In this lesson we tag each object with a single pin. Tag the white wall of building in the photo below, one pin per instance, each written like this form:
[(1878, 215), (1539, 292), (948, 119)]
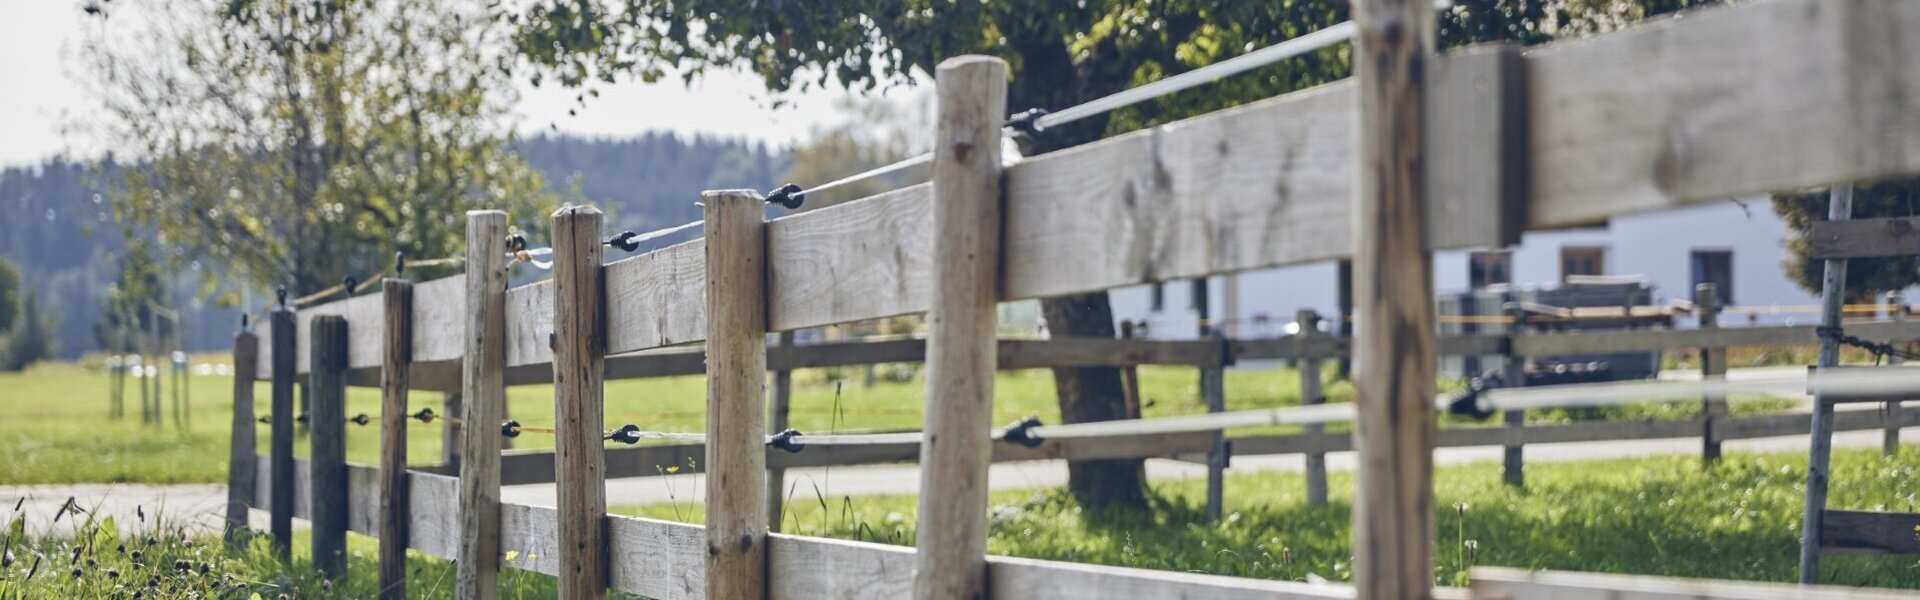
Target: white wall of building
[(1657, 246)]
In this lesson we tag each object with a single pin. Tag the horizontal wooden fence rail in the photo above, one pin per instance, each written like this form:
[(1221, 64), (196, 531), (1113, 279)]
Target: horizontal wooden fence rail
[(666, 560), (443, 375)]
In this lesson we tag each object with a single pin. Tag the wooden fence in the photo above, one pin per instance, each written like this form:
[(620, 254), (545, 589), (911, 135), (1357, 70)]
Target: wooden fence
[(1766, 95)]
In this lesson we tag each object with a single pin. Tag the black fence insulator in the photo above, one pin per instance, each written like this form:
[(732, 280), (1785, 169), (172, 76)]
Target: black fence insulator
[(243, 320), (424, 416), (280, 294), (1466, 402), (510, 429), (347, 285), (265, 420), (360, 419), (628, 434), (516, 242), (790, 195), (301, 418), (1028, 121), (784, 441), (399, 264), (1021, 432), (624, 241)]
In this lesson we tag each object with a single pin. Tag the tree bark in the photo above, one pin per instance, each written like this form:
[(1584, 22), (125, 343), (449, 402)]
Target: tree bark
[(1094, 394)]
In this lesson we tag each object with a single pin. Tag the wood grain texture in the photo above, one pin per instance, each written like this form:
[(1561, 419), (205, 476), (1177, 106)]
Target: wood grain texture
[(1692, 108), (736, 457), (579, 347), (779, 409), (1027, 579), (1833, 284), (1477, 171), (529, 324), (242, 447), (1493, 583), (657, 299), (327, 440), (971, 96), (860, 260), (434, 530), (1865, 238), (482, 402), (280, 446), (396, 366), (658, 559), (1866, 532), (807, 567), (1394, 351)]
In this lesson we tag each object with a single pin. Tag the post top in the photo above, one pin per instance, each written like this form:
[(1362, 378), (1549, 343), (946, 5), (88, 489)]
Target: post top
[(486, 213), (970, 60), (573, 210), (735, 195)]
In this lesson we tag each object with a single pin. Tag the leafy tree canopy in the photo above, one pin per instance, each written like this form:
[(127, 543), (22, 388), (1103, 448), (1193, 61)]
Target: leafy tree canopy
[(1865, 276), (301, 142)]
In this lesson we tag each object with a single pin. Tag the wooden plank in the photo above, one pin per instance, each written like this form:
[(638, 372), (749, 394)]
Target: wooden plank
[(1890, 438), (1513, 370), (1637, 340), (859, 260), (532, 534), (1713, 367), (242, 448), (1394, 350), (1864, 532), (482, 401), (656, 299), (971, 99), (1213, 391), (579, 324), (1023, 578), (281, 326), (806, 568), (529, 324), (1689, 109), (657, 559), (736, 457), (779, 409), (1477, 177), (1865, 238), (396, 366), (1497, 583), (327, 440), (1833, 289)]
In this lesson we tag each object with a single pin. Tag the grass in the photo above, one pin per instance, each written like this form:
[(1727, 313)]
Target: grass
[(1652, 516), (58, 430), (159, 560)]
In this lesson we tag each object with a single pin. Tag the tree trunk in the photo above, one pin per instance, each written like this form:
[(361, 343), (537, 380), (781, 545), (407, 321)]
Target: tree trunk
[(1094, 394)]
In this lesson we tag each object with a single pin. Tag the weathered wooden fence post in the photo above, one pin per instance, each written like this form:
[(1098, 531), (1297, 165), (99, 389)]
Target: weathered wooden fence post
[(1890, 438), (396, 365), (281, 445), (1513, 373), (961, 349), (1308, 322), (1713, 367), (777, 421), (327, 439), (482, 397), (243, 467), (1833, 292), (736, 397), (1394, 351), (579, 351), (1213, 389)]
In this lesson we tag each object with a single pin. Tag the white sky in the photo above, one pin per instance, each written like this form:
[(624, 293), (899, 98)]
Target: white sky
[(37, 96)]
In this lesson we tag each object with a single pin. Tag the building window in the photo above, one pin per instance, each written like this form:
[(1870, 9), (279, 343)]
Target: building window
[(1159, 297), (1489, 268), (1582, 261), (1715, 267)]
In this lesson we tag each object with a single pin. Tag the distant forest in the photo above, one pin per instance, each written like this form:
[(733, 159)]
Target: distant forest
[(60, 235)]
